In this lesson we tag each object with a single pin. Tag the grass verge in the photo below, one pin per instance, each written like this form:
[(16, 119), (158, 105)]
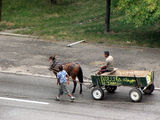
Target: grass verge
[(74, 20)]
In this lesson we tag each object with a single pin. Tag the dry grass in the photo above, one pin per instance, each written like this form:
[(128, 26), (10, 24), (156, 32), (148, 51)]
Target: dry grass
[(9, 24)]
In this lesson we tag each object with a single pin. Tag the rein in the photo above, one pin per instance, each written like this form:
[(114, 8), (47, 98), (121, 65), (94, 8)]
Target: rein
[(55, 70), (55, 63)]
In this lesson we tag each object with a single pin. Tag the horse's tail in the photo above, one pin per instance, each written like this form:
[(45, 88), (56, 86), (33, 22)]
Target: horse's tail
[(80, 75)]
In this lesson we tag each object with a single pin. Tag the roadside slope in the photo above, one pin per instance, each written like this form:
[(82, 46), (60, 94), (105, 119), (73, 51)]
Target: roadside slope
[(30, 56)]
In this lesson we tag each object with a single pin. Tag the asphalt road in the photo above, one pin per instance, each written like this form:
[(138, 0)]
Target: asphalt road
[(25, 97)]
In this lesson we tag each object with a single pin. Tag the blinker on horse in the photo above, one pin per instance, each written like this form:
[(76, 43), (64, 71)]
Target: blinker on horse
[(73, 69)]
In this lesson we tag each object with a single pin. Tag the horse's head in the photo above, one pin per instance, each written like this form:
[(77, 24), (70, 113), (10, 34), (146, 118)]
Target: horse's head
[(52, 60)]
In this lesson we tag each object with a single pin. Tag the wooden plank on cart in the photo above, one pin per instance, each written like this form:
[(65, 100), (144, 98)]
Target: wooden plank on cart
[(129, 73)]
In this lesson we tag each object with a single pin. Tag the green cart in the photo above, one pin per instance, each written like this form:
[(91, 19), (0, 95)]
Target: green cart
[(140, 81)]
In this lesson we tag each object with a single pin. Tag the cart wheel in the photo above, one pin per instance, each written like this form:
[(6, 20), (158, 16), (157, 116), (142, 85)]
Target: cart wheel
[(97, 93), (111, 89), (135, 95), (149, 89)]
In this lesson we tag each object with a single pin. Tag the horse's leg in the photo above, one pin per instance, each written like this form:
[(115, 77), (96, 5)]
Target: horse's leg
[(80, 78), (80, 88), (75, 84)]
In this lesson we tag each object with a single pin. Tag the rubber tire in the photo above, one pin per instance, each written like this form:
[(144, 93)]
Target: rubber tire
[(111, 89), (135, 92), (99, 90), (149, 89)]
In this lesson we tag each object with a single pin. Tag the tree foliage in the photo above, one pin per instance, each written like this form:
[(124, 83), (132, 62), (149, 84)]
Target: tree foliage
[(140, 12)]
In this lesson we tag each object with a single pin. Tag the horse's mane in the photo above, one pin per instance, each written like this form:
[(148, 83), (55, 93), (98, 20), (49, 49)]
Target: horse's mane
[(60, 62), (55, 63)]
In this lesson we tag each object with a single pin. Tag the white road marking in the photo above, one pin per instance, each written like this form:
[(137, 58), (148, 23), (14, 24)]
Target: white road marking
[(22, 100), (157, 88)]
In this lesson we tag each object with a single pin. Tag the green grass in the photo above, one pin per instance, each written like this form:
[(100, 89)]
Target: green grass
[(74, 20)]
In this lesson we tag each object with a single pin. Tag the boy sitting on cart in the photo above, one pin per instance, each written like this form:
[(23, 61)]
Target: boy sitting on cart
[(109, 67)]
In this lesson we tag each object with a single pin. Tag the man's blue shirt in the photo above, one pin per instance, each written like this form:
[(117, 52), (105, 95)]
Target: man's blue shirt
[(62, 76)]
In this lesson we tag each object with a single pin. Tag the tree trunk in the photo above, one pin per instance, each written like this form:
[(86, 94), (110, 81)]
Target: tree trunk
[(53, 1), (0, 10), (107, 22)]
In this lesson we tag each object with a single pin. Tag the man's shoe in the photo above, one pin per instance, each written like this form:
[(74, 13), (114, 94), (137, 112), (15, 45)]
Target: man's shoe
[(57, 98), (72, 98)]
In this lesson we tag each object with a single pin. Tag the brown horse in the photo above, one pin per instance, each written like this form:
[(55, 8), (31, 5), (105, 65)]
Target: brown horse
[(73, 69)]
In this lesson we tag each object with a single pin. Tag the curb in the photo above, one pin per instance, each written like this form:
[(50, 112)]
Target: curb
[(29, 74), (17, 35)]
